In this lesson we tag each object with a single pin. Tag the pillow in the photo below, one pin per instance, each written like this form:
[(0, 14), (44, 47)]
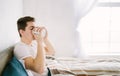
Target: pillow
[(14, 68)]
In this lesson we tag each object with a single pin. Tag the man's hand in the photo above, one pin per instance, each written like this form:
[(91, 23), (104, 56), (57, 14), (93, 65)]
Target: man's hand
[(38, 33), (45, 33)]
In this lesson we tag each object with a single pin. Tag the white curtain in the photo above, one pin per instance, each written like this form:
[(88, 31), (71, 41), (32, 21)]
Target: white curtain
[(82, 7)]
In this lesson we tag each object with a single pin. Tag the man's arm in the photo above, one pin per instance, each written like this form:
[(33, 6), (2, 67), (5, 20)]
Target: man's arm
[(49, 48), (37, 64)]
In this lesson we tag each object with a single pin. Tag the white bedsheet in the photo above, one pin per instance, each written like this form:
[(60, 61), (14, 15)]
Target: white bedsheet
[(100, 64), (92, 63)]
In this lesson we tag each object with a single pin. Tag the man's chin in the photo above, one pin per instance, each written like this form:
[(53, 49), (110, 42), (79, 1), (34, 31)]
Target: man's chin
[(33, 38)]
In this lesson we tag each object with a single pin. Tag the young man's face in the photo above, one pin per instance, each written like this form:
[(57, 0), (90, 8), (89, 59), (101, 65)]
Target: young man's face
[(28, 31)]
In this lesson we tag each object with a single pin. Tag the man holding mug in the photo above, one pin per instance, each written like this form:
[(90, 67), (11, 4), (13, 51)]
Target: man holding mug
[(33, 46)]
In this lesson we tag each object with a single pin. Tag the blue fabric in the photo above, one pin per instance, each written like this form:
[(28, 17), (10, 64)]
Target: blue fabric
[(14, 68), (49, 73)]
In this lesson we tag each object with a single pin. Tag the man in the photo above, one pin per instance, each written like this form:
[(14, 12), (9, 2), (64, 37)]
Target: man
[(30, 50)]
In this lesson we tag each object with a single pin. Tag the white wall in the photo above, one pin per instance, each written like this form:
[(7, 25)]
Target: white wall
[(58, 17), (10, 11)]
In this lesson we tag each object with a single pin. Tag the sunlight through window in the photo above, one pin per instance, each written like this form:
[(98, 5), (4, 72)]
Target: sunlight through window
[(100, 31)]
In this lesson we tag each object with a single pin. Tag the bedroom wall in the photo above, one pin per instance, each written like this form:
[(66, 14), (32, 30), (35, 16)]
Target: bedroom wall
[(10, 11), (58, 17)]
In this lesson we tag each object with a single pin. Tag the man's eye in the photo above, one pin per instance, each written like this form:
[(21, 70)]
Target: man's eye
[(32, 28)]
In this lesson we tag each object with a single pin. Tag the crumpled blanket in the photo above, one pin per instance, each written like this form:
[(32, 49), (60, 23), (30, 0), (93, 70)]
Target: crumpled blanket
[(86, 66), (58, 69)]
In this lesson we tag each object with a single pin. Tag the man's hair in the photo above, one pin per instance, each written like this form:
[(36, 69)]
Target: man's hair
[(22, 22)]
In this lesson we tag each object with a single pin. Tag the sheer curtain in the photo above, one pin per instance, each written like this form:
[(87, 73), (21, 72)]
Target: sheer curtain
[(82, 7)]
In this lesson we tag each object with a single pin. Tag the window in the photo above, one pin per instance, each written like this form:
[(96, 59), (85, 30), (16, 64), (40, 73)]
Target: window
[(100, 29)]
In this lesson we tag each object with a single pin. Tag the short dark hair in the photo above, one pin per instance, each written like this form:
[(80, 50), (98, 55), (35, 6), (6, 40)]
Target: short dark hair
[(22, 22)]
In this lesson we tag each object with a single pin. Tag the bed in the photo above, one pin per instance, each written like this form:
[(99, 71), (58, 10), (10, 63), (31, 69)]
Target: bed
[(89, 66)]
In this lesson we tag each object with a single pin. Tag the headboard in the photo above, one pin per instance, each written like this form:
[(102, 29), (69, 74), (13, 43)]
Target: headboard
[(5, 56)]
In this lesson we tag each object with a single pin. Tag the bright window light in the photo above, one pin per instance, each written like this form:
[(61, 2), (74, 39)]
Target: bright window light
[(100, 31), (109, 0)]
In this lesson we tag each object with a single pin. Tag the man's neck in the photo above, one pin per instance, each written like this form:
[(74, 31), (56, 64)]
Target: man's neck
[(26, 41)]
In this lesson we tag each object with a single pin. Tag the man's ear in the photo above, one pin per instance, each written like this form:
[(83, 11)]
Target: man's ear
[(21, 32)]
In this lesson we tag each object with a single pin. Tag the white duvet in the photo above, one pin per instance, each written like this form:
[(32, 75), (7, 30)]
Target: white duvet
[(100, 64), (108, 63)]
